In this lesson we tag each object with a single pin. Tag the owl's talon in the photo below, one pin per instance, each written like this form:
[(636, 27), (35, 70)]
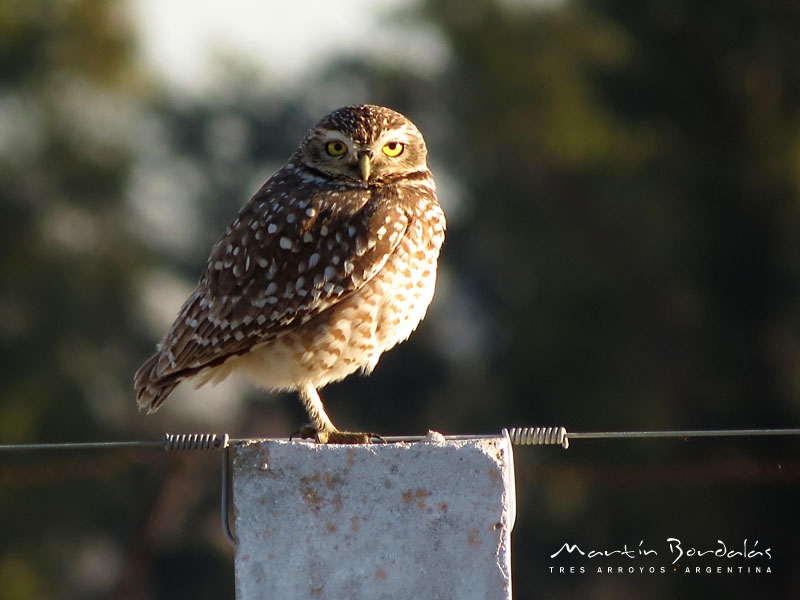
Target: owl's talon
[(307, 432)]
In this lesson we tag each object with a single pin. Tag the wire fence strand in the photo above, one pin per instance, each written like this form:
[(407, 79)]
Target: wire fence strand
[(520, 436)]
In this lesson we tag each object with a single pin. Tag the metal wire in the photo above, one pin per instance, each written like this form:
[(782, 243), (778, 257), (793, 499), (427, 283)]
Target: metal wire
[(535, 436), (170, 442), (520, 436), (225, 515), (610, 435), (79, 446)]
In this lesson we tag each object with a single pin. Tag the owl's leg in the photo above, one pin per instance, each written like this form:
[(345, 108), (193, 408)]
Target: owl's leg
[(321, 428)]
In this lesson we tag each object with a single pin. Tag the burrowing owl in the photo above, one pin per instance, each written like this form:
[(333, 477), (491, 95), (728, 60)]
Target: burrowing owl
[(331, 263)]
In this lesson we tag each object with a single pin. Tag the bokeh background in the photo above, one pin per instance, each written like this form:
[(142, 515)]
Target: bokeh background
[(622, 182)]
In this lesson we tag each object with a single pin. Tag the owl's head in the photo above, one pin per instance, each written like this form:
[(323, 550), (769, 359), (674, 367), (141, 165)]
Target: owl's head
[(364, 144)]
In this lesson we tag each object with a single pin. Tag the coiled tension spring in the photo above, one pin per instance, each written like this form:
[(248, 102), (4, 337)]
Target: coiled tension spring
[(195, 441), (538, 436)]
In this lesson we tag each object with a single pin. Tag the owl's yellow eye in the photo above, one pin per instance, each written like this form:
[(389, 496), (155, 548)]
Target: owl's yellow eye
[(336, 148), (393, 149)]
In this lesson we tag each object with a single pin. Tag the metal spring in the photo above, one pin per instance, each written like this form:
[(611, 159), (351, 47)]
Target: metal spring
[(538, 436), (195, 441)]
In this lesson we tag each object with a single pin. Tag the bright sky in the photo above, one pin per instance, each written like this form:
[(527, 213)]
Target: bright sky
[(180, 38)]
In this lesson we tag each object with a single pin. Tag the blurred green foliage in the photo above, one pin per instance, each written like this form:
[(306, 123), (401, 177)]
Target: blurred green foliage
[(623, 186)]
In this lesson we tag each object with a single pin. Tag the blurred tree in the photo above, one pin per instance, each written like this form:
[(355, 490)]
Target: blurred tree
[(69, 89), (66, 255)]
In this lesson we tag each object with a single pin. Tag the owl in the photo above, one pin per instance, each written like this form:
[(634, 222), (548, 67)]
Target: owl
[(331, 263)]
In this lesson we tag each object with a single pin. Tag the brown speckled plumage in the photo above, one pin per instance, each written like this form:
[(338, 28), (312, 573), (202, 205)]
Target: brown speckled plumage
[(331, 263)]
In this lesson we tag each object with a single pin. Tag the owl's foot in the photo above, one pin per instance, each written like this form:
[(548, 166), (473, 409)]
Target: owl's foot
[(308, 432)]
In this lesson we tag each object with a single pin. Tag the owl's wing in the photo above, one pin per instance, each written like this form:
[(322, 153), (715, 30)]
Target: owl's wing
[(278, 265)]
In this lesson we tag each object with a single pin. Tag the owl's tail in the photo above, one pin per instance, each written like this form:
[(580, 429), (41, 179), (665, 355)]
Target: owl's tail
[(152, 390)]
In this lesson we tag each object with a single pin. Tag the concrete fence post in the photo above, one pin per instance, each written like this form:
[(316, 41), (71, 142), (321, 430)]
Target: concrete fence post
[(422, 520)]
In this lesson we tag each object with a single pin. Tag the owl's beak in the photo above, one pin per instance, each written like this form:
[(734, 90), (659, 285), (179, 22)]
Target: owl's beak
[(365, 165)]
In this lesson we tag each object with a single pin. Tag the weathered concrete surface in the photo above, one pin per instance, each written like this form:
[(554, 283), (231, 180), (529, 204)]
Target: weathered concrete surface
[(425, 520)]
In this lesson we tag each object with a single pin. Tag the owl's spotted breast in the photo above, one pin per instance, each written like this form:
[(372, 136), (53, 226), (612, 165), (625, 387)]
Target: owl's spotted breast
[(331, 263), (352, 334)]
